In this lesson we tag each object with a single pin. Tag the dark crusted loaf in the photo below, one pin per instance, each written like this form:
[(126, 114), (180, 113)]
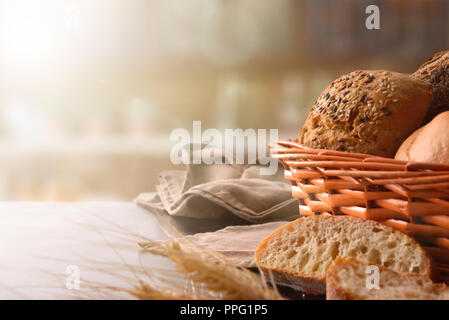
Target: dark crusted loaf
[(367, 112), (436, 71)]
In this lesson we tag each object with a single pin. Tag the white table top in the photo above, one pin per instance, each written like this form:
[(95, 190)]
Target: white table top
[(38, 241)]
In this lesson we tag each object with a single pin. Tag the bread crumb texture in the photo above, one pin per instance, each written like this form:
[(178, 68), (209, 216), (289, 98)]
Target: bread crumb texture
[(347, 279), (308, 246)]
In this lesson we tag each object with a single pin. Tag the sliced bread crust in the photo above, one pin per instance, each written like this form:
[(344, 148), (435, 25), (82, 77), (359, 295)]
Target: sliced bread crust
[(299, 253)]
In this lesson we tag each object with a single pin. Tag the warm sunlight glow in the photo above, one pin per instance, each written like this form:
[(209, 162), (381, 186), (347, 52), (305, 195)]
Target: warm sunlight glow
[(32, 32)]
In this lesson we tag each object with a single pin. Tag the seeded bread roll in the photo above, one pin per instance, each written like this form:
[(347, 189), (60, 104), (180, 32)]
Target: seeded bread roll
[(347, 279), (436, 71), (367, 112), (299, 253)]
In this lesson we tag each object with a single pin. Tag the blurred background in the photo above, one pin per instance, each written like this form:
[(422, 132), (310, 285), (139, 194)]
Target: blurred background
[(90, 90)]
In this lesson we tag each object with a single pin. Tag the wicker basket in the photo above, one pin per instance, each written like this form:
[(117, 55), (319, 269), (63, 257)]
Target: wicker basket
[(411, 197)]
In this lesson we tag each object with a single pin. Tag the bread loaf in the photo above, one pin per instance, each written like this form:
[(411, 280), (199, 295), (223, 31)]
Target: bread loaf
[(347, 279), (429, 143), (436, 71), (367, 112), (299, 253)]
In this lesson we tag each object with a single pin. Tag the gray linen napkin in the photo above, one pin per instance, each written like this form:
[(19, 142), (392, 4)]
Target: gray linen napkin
[(217, 190)]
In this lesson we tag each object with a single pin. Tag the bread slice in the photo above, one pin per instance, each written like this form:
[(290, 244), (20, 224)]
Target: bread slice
[(350, 279), (299, 252)]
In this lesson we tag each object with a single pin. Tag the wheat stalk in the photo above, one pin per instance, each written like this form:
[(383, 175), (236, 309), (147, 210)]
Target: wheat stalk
[(200, 273), (214, 271)]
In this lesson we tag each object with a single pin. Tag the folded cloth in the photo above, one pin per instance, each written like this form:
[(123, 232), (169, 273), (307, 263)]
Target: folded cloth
[(238, 243), (217, 190)]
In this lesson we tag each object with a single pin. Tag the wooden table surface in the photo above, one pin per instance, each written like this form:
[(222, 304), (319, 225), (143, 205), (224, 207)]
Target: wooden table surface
[(41, 242)]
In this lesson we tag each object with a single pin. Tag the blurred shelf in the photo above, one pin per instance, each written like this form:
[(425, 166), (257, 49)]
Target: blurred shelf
[(151, 145)]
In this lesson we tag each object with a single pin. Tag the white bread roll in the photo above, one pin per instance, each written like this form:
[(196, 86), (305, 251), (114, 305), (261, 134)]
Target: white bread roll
[(429, 143)]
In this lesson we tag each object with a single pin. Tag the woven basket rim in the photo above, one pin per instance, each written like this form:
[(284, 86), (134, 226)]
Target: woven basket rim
[(288, 145)]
